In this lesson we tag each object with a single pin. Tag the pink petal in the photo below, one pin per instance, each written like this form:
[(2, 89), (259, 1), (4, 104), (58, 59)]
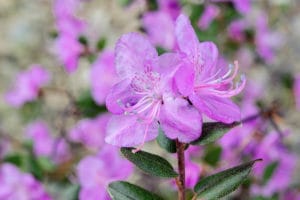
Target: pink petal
[(119, 95), (180, 120), (128, 131), (216, 108), (209, 56), (184, 79), (157, 23), (186, 38), (103, 76), (134, 54)]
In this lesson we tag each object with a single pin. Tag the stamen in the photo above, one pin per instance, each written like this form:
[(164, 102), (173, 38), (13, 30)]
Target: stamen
[(143, 142)]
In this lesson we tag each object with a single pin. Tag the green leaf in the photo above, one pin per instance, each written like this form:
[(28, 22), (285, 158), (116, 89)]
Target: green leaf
[(101, 44), (166, 143), (212, 154), (121, 190), (150, 163), (15, 159), (269, 171), (212, 131), (221, 184)]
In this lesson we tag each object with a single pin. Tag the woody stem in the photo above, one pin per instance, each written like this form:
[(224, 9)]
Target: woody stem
[(181, 168)]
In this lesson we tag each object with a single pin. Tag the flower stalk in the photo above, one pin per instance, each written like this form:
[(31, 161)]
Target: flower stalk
[(180, 181)]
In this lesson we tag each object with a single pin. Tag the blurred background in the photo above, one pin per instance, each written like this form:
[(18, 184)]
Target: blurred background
[(262, 35)]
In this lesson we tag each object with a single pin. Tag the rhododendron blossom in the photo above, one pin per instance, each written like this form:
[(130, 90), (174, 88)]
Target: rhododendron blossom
[(27, 86), (46, 145), (96, 172), (144, 96), (18, 185), (199, 78), (103, 76)]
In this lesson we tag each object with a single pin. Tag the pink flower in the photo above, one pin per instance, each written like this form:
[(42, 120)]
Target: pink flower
[(236, 30), (90, 132), (144, 96), (209, 14), (200, 79), (15, 184), (103, 76), (96, 172), (271, 149), (27, 86), (67, 47), (171, 7), (297, 91), (44, 144), (266, 41), (159, 22)]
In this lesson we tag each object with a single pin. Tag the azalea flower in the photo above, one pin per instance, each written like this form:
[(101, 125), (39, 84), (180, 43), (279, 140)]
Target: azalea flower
[(90, 132), (27, 86), (144, 97), (18, 185), (103, 76), (199, 79), (209, 14), (44, 144), (67, 47), (96, 172), (271, 150)]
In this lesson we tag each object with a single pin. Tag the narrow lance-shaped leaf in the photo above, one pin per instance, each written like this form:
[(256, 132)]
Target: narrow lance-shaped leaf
[(223, 183), (166, 143), (150, 163), (121, 190), (212, 131)]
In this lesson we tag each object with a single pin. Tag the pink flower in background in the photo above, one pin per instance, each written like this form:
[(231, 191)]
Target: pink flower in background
[(271, 149), (67, 47), (297, 91), (266, 41), (16, 185), (159, 22), (199, 78), (96, 172), (103, 76), (171, 7), (209, 14), (44, 144), (27, 86), (144, 96), (90, 132), (236, 30), (68, 50)]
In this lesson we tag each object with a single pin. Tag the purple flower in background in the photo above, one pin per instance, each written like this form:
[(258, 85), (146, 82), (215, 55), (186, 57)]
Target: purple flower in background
[(157, 23), (271, 150), (103, 76), (44, 144), (199, 78), (27, 86), (16, 185), (209, 14), (96, 172), (171, 7), (90, 132), (236, 30), (67, 47), (144, 96), (297, 91), (266, 41)]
